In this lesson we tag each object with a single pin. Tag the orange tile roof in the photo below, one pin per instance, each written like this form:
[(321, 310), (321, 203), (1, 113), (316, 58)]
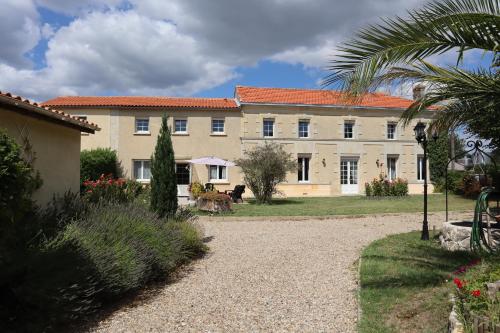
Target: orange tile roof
[(317, 97), (35, 109), (142, 101)]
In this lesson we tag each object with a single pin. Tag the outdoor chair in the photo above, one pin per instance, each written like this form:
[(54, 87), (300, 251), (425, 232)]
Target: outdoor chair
[(236, 193)]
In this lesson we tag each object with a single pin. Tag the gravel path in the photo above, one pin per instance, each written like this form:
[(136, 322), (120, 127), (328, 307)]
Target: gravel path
[(267, 276)]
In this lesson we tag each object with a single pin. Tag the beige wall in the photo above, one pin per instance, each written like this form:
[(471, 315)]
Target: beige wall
[(56, 148), (326, 145)]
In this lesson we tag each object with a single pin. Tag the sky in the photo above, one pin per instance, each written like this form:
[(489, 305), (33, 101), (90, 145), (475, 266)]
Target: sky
[(176, 47)]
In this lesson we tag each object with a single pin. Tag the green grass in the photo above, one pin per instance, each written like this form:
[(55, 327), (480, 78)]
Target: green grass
[(405, 284), (349, 205)]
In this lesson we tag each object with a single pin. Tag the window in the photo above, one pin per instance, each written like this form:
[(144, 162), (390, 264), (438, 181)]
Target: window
[(303, 171), (391, 167), (348, 130), (420, 168), (142, 125), (182, 173), (218, 126), (268, 128), (180, 126), (391, 131), (142, 170), (303, 128), (218, 172)]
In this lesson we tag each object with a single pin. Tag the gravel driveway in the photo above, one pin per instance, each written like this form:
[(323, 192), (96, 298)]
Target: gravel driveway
[(294, 275)]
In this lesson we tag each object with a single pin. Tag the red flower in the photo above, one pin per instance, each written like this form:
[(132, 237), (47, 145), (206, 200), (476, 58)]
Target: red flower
[(459, 283), (476, 293)]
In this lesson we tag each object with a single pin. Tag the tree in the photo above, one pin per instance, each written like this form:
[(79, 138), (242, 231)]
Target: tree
[(395, 51), (264, 167), (439, 153), (163, 178)]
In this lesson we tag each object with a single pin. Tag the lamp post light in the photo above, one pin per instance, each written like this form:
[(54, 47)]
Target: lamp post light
[(421, 138)]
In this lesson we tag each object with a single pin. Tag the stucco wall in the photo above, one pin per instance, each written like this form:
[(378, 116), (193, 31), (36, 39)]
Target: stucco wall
[(56, 148)]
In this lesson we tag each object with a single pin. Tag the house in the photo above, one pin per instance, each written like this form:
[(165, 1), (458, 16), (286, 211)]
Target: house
[(54, 137), (339, 144)]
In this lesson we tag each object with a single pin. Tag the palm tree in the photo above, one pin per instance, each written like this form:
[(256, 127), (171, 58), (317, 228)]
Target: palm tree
[(395, 51)]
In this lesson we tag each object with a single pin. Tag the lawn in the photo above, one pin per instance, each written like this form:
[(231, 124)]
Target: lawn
[(349, 205), (405, 285)]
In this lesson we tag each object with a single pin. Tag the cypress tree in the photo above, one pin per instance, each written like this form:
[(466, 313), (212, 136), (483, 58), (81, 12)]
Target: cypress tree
[(163, 179)]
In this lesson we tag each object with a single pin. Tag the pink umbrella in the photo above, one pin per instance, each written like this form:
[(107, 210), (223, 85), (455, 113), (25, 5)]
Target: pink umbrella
[(211, 160)]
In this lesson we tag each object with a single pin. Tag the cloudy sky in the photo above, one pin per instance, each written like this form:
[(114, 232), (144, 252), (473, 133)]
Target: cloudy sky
[(174, 47)]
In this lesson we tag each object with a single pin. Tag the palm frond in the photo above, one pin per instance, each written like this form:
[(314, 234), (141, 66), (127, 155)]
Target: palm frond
[(435, 29)]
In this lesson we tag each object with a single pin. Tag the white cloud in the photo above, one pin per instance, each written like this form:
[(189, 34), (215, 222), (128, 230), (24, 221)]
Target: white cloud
[(19, 31), (119, 52), (172, 47)]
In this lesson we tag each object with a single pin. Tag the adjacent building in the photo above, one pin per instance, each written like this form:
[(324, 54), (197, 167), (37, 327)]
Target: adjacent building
[(50, 139), (339, 143)]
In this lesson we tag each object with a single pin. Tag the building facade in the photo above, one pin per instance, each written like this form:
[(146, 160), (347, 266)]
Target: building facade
[(339, 144), (53, 138)]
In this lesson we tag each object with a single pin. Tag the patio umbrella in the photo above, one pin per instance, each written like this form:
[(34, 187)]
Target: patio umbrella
[(212, 160)]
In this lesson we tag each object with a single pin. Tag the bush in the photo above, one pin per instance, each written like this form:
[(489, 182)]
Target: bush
[(264, 167), (381, 187), (18, 180), (130, 246), (97, 162), (454, 182), (111, 190), (214, 202), (101, 254), (196, 189)]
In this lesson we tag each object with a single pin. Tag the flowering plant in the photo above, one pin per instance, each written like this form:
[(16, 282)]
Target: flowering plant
[(112, 190), (382, 187)]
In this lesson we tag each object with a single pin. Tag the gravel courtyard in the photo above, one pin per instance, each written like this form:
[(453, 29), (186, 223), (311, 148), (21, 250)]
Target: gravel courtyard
[(293, 275)]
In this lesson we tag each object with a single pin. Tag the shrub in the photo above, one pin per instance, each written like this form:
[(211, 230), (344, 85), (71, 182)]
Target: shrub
[(111, 190), (214, 202), (164, 181), (130, 245), (264, 167), (18, 180), (196, 189), (97, 162), (368, 190), (380, 187)]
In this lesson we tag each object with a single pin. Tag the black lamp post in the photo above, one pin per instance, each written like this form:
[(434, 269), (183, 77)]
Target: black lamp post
[(422, 139)]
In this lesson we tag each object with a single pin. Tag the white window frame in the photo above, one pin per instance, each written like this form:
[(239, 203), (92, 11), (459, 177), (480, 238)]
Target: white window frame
[(306, 121), (141, 179), (395, 131), (420, 168), (175, 127), (219, 168), (353, 124), (137, 119), (301, 170), (223, 126), (389, 172), (264, 125)]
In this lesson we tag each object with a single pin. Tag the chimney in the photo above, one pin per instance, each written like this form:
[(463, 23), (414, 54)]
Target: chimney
[(418, 90)]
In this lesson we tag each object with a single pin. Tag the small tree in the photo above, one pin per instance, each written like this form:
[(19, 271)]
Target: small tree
[(163, 179), (264, 168)]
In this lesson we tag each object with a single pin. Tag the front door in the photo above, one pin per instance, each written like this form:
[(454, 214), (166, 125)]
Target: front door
[(183, 173), (349, 175)]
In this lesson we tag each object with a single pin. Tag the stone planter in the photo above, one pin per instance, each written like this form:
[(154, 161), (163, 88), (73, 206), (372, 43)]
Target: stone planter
[(213, 206), (455, 235)]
